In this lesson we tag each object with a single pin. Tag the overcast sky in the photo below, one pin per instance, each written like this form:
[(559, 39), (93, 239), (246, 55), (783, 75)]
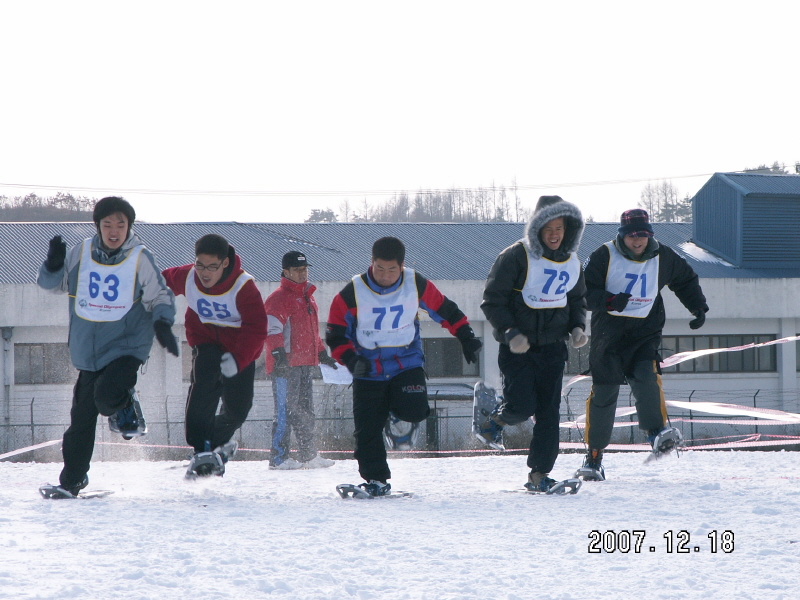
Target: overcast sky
[(309, 103)]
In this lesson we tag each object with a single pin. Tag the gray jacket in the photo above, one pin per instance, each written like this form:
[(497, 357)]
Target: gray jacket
[(94, 344)]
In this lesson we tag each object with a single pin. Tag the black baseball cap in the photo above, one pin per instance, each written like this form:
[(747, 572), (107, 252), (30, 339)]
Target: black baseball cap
[(294, 259)]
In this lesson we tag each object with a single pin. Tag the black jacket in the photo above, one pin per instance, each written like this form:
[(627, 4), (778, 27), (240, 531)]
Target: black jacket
[(618, 342), (503, 303)]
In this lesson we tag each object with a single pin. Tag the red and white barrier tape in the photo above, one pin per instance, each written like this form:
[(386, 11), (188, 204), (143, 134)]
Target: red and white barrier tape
[(684, 356)]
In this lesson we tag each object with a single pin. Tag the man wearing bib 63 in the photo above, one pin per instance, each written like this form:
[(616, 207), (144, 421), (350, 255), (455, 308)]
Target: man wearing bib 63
[(118, 301), (535, 299), (226, 326), (373, 330), (624, 278)]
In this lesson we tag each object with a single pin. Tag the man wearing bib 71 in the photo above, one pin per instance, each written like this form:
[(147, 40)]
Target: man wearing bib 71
[(226, 326), (535, 299), (624, 278), (118, 301), (373, 330)]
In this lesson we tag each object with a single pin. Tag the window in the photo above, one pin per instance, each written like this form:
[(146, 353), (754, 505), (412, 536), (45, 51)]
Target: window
[(43, 363), (444, 358), (797, 353), (746, 361)]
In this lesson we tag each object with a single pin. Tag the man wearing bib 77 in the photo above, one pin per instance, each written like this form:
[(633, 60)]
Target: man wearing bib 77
[(118, 301), (535, 300), (226, 326), (624, 278), (373, 330)]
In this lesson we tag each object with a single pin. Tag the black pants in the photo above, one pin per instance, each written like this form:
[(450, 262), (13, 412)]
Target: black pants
[(405, 395), (532, 387), (96, 392), (601, 406), (294, 411), (208, 387)]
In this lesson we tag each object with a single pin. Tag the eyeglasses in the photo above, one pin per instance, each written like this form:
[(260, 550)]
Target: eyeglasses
[(202, 267)]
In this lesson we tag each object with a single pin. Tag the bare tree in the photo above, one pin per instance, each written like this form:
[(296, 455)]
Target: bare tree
[(662, 202), (345, 211)]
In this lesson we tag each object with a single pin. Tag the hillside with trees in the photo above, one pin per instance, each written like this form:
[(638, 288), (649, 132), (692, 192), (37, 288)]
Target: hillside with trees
[(61, 207)]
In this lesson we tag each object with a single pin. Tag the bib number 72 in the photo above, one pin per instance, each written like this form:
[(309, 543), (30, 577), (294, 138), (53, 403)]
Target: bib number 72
[(563, 277)]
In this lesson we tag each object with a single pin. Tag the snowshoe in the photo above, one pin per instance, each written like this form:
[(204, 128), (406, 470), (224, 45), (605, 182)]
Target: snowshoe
[(663, 442), (227, 450), (205, 464), (592, 468), (366, 491), (484, 405), (400, 435), (551, 486), (129, 421)]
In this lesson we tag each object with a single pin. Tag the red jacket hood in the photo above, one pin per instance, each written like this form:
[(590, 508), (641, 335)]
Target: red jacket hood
[(226, 283)]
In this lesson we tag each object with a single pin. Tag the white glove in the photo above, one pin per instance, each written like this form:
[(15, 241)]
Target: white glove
[(228, 365), (519, 344), (579, 338)]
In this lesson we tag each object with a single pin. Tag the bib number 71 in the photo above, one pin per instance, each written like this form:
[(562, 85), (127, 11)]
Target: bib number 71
[(633, 278)]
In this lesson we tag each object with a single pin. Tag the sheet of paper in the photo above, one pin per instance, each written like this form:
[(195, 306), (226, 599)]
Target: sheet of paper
[(338, 375)]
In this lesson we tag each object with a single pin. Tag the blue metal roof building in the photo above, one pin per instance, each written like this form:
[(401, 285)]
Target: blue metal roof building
[(752, 221), (337, 251)]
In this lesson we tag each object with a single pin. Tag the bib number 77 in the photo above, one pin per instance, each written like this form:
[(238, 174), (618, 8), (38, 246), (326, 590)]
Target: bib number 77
[(381, 312), (633, 278)]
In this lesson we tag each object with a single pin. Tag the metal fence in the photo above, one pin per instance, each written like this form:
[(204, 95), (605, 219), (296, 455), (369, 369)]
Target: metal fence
[(448, 430)]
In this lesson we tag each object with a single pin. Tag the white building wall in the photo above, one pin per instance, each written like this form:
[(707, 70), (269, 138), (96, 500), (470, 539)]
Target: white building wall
[(737, 307)]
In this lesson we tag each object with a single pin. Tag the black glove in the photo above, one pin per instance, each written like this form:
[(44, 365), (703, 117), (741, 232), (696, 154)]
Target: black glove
[(165, 336), (617, 303), (358, 365), (324, 359), (700, 318), (56, 254), (470, 345), (280, 364)]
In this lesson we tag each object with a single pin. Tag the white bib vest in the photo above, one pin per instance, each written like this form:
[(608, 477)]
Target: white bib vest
[(548, 282), (640, 279), (215, 309), (105, 292), (387, 320)]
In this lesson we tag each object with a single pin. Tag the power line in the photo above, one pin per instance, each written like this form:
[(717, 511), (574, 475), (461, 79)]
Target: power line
[(341, 193)]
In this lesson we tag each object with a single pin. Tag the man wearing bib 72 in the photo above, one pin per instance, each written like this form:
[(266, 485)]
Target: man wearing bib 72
[(624, 278), (373, 330), (535, 299), (226, 326), (118, 301)]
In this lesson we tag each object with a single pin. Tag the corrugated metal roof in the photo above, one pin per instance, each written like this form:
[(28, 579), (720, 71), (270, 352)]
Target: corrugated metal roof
[(764, 185), (337, 251)]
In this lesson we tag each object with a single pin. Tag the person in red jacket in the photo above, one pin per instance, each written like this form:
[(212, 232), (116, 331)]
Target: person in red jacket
[(294, 349), (226, 327)]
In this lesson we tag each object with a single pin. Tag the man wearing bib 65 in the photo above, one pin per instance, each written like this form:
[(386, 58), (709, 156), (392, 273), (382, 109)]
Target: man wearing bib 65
[(624, 278), (117, 302), (226, 326), (535, 300), (373, 330)]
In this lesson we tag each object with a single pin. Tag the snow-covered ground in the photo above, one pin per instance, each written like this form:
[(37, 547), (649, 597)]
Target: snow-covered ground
[(258, 533)]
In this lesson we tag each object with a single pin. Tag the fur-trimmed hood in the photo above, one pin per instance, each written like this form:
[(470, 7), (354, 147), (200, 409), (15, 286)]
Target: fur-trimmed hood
[(547, 209)]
